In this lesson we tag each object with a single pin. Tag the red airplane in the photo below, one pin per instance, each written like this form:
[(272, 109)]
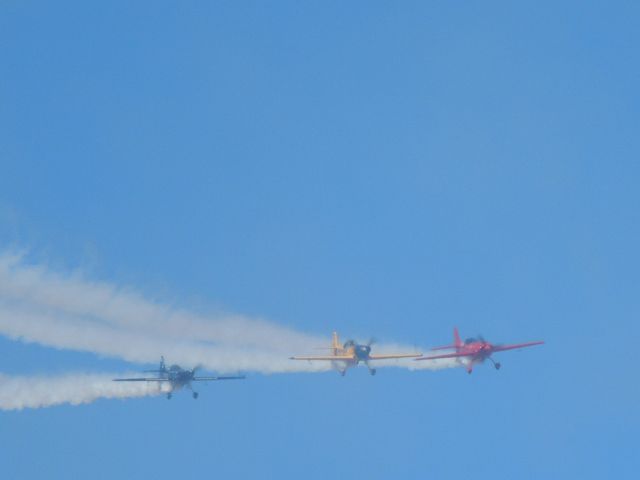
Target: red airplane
[(477, 350)]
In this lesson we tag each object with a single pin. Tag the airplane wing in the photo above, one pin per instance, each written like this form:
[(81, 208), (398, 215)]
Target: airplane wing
[(397, 355), (502, 348), (323, 357), (446, 355), (208, 379), (155, 379)]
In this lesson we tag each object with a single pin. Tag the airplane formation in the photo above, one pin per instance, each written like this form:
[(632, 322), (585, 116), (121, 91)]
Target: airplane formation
[(468, 353)]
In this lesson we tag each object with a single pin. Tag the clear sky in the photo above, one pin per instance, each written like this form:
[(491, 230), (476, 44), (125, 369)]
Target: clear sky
[(387, 169)]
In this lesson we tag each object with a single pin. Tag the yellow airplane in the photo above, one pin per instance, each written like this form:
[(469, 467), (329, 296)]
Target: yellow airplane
[(351, 354)]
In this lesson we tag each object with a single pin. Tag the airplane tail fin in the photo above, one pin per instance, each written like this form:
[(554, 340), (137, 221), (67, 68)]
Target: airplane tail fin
[(161, 369), (457, 343), (456, 338), (335, 343)]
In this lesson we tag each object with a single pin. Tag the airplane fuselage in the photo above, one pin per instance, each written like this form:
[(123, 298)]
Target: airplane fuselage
[(178, 377), (361, 352), (358, 353), (477, 351)]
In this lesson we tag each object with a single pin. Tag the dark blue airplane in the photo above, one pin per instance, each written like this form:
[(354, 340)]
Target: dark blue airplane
[(177, 378)]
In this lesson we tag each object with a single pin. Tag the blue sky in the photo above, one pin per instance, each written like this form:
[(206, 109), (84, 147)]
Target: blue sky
[(381, 169)]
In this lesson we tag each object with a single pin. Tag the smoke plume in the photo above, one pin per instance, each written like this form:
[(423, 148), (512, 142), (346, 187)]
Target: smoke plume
[(18, 392)]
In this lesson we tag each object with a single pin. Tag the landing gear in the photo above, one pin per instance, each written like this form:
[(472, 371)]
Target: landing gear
[(495, 364), (195, 395), (372, 371), (169, 395)]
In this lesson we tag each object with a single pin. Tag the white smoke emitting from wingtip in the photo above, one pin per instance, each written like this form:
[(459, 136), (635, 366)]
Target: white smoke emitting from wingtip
[(19, 392)]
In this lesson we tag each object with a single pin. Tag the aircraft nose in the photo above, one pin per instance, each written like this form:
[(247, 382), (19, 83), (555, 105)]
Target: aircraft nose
[(364, 350)]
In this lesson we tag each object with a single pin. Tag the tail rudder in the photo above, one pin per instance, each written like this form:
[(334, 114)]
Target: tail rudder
[(162, 366), (335, 343), (456, 338), (457, 343)]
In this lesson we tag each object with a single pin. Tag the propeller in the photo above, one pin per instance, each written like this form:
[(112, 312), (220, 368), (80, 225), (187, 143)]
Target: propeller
[(351, 343)]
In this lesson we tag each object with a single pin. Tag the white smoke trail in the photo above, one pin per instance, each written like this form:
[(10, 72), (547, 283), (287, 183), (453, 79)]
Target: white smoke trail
[(71, 312), (101, 302), (410, 363), (60, 331), (19, 392)]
